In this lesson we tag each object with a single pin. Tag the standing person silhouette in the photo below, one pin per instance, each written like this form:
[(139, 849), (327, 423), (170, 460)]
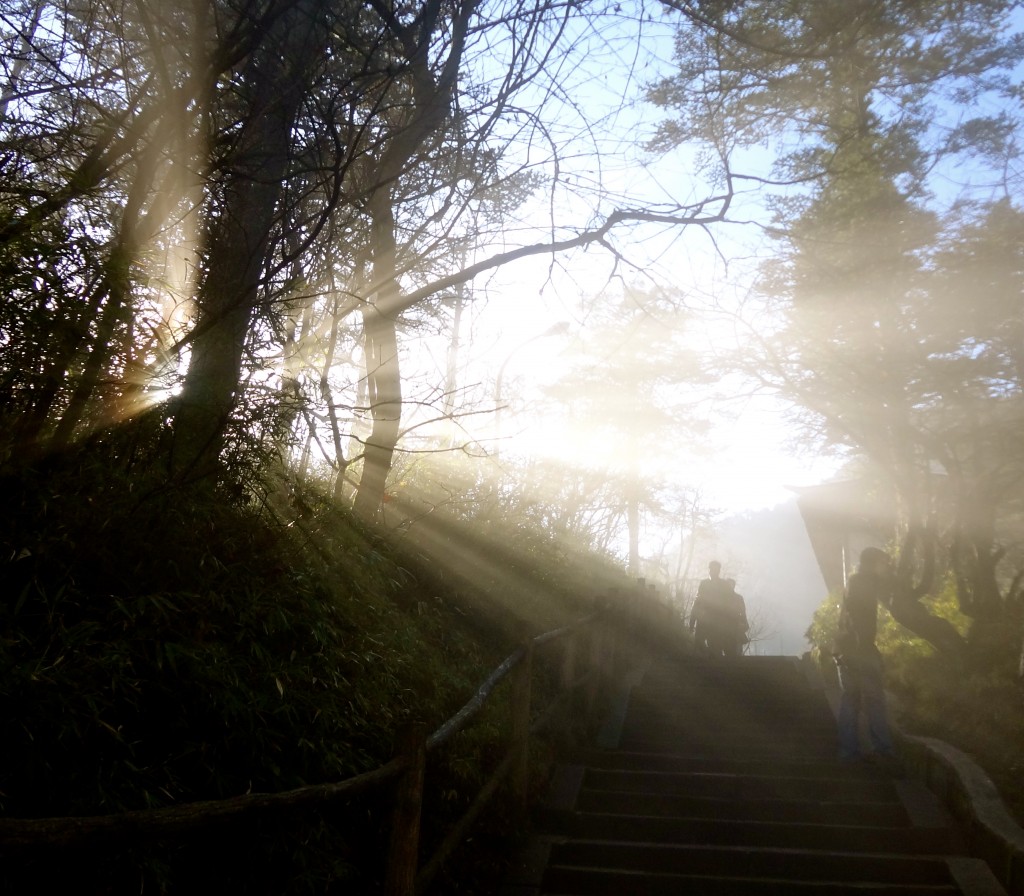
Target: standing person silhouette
[(707, 619), (734, 621), (859, 661)]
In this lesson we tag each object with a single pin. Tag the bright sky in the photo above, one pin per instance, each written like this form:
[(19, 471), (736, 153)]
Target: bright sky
[(752, 460), (752, 453), (753, 456), (602, 168)]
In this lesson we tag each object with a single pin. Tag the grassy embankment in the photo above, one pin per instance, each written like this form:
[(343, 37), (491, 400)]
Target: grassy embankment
[(157, 652)]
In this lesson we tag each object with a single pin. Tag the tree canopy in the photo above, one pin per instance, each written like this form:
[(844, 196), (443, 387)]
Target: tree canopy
[(888, 335), (268, 271)]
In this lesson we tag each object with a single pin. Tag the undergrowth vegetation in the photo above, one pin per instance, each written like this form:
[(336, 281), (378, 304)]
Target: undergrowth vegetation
[(159, 649)]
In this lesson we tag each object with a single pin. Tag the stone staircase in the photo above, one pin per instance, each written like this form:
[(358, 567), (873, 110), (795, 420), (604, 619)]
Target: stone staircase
[(721, 778)]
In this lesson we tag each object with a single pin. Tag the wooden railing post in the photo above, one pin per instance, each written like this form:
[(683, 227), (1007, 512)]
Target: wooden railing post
[(641, 615), (597, 658), (403, 854), (569, 659), (521, 699), (613, 644)]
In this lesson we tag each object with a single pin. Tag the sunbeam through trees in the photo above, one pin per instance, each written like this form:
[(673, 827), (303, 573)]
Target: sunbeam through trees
[(341, 342)]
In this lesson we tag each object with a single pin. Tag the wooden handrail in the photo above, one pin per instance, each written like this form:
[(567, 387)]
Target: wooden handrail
[(65, 830), (456, 835), (564, 630), (458, 721), (404, 878), (476, 702)]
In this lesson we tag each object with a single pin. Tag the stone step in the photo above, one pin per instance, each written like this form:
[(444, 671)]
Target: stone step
[(807, 706), (721, 778), (683, 722), (821, 745), (736, 726), (809, 811), (688, 762), (777, 693), (570, 881), (749, 862), (774, 833), (745, 787)]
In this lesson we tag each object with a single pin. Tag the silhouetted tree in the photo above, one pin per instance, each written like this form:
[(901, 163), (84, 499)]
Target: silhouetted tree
[(851, 97)]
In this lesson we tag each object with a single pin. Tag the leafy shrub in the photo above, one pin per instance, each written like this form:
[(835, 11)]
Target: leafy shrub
[(160, 649), (976, 706)]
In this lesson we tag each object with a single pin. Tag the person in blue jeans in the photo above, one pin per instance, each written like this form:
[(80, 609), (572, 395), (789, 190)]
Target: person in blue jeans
[(860, 663)]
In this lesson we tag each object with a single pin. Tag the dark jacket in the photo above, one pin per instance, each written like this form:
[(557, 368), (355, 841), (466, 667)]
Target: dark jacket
[(858, 617)]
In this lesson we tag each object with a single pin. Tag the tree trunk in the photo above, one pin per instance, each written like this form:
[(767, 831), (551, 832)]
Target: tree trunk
[(430, 105), (340, 463), (906, 607), (239, 242), (975, 554), (452, 366), (383, 375), (938, 632), (633, 525)]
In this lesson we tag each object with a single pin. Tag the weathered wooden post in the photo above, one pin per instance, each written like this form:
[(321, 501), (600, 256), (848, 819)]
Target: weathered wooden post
[(631, 612), (643, 608), (521, 696), (597, 658), (403, 853), (569, 658), (611, 632)]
